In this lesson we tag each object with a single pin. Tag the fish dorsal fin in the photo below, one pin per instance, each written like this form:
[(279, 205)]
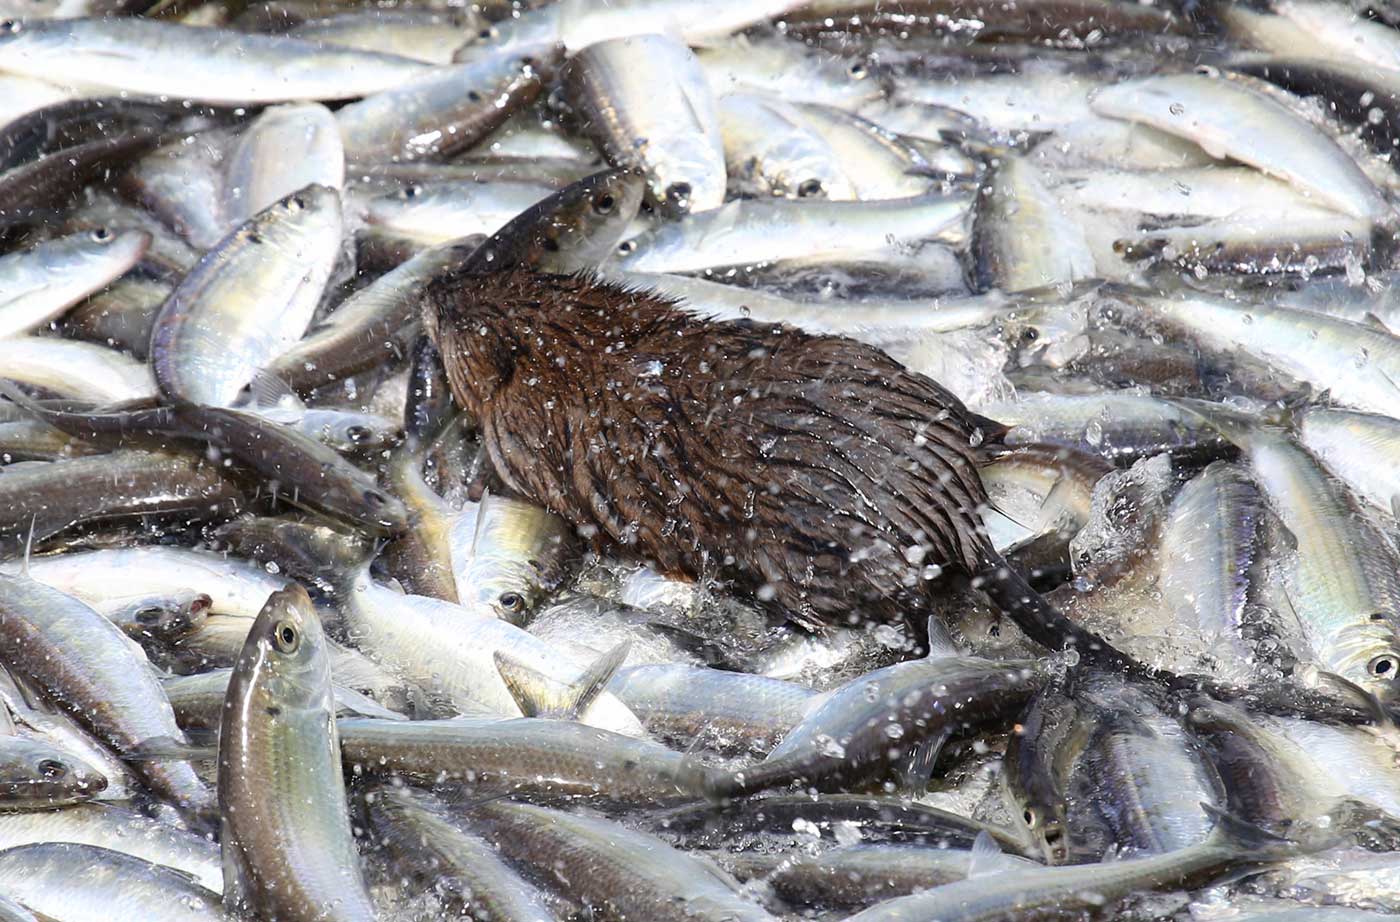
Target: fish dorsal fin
[(29, 546), (539, 695), (986, 858), (1376, 323)]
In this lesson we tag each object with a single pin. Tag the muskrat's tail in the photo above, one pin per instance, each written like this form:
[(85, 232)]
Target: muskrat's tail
[(1047, 626)]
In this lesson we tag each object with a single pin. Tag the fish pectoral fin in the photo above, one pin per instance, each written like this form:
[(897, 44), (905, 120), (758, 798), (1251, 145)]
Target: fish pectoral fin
[(940, 642), (987, 856), (922, 759), (1367, 699), (238, 896), (539, 695), (168, 749), (267, 391)]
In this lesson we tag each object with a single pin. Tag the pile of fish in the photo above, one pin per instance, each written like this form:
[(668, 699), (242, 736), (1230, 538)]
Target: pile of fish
[(276, 646)]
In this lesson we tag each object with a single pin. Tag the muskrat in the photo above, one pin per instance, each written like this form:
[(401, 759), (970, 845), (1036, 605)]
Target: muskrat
[(815, 473)]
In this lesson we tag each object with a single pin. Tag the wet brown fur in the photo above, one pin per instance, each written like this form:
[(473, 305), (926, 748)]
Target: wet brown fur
[(814, 472)]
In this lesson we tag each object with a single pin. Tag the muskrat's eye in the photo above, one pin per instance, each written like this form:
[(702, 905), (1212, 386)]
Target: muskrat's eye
[(1384, 666), (287, 637), (605, 203)]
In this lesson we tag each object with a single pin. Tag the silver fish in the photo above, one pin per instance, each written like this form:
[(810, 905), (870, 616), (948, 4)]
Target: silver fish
[(121, 829), (510, 558), (529, 756), (446, 111), (85, 883), (427, 845), (1228, 119), (284, 149), (745, 233), (730, 711), (91, 669), (645, 102), (770, 152), (1233, 845), (40, 283), (1350, 445), (287, 844), (625, 873), (84, 371), (249, 299), (1023, 238), (209, 65)]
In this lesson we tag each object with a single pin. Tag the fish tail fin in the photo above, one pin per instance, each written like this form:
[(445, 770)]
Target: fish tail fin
[(1248, 838), (539, 695)]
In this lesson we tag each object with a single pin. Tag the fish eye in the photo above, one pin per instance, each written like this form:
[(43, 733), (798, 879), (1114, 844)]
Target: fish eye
[(858, 70), (1030, 335), (11, 26), (411, 192), (358, 434), (286, 636), (1384, 666), (512, 602), (149, 615), (486, 33), (605, 203), (100, 234), (626, 246), (678, 191), (473, 96), (296, 203), (52, 768), (375, 498), (1032, 817), (809, 188)]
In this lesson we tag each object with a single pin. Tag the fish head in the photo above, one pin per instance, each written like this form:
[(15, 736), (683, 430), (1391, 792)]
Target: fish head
[(350, 432), (36, 775), (582, 223), (286, 661), (810, 175), (686, 177), (1367, 653), (1046, 334), (170, 615)]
